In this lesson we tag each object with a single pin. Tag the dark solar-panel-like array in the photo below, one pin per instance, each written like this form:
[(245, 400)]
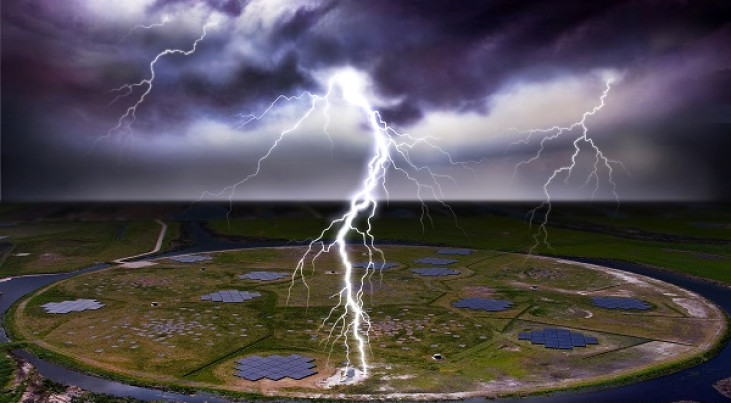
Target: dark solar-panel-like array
[(264, 275), (485, 304), (562, 339), (450, 251), (620, 303), (275, 367), (191, 258), (230, 296), (435, 260), (376, 265), (435, 271), (77, 305)]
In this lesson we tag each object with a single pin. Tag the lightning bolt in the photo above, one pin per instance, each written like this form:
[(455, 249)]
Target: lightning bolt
[(164, 20), (600, 160), (391, 152), (128, 118)]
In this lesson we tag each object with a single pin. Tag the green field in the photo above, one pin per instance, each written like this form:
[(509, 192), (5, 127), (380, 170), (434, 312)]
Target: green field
[(60, 246), (188, 342), (693, 256)]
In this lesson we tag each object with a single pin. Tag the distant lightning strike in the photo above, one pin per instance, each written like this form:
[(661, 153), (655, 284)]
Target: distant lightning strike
[(128, 118), (391, 150), (601, 160), (164, 20)]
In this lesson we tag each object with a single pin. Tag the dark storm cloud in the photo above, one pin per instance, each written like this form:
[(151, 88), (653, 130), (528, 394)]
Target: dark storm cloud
[(248, 85), (433, 54), (59, 63), (440, 54)]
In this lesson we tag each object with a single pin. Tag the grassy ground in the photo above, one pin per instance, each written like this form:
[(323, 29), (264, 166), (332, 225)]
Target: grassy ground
[(682, 220), (9, 393), (699, 258), (194, 343), (53, 247)]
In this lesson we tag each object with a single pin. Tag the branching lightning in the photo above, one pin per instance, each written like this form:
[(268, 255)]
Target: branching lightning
[(391, 152), (127, 119), (164, 20), (553, 133)]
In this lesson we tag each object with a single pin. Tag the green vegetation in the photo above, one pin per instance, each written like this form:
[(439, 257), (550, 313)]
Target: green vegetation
[(51, 247), (707, 260), (185, 344), (191, 344), (705, 222), (9, 393)]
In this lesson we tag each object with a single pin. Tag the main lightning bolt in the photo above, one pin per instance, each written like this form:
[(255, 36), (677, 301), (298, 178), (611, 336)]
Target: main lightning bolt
[(600, 160), (391, 152)]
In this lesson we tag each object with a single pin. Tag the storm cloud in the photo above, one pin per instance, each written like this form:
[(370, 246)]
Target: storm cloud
[(475, 74)]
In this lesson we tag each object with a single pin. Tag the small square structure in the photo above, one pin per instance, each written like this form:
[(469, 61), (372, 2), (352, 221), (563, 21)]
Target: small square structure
[(230, 296), (190, 258), (484, 304), (561, 339), (435, 261), (620, 303), (274, 367), (264, 276), (454, 251), (435, 271), (72, 306)]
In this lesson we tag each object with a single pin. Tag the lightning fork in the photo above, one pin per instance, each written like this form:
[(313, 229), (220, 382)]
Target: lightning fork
[(390, 150), (127, 119), (552, 133), (164, 20)]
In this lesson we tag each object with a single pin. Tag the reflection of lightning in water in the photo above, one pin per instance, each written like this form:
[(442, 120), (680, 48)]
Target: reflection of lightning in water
[(600, 160)]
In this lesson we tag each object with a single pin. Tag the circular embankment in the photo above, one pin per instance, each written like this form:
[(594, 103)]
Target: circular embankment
[(499, 324)]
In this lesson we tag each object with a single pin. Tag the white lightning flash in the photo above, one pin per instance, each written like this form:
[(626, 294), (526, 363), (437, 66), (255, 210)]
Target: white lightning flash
[(391, 150), (552, 133), (164, 20), (127, 119)]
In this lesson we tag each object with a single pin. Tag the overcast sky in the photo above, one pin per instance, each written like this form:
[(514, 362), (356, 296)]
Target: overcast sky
[(474, 76)]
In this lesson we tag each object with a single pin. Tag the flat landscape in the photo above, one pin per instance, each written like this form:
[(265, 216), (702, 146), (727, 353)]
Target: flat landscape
[(155, 326), (220, 293)]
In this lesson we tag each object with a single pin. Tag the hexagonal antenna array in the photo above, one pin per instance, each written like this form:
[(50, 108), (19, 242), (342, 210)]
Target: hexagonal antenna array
[(451, 251), (230, 296), (72, 306), (275, 367), (376, 265), (190, 258), (562, 339), (264, 276), (484, 304), (435, 260), (620, 303), (435, 271)]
